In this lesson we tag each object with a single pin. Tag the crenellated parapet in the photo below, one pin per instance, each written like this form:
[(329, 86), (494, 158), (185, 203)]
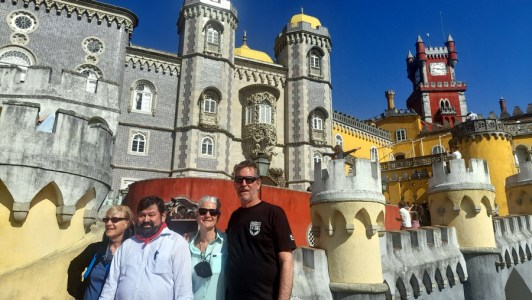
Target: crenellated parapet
[(303, 33), (74, 158), (222, 11), (74, 92), (418, 263), (454, 175), (514, 240)]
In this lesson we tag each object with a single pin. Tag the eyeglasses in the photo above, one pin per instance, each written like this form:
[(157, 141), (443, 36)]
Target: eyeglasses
[(248, 179), (113, 219), (212, 211)]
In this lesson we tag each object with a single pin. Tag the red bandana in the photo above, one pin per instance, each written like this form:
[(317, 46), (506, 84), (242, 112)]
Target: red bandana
[(151, 238)]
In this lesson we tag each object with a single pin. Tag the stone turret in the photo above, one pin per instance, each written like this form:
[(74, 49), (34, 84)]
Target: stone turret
[(464, 198), (347, 211)]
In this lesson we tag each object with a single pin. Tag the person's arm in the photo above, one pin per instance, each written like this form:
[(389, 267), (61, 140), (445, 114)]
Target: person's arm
[(182, 271), (76, 268), (111, 283), (286, 260), (351, 151)]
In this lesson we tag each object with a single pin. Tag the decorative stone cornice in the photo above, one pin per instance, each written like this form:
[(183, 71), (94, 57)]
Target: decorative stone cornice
[(91, 9), (479, 128), (199, 9), (256, 76), (153, 60), (344, 120), (302, 37), (519, 129)]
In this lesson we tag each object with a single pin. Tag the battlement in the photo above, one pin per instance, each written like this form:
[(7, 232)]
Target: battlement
[(71, 93), (477, 127), (423, 260), (75, 157), (513, 236), (524, 177), (454, 175), (333, 185)]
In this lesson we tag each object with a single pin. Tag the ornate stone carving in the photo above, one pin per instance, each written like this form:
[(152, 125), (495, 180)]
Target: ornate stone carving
[(277, 176), (19, 39), (181, 209), (260, 138)]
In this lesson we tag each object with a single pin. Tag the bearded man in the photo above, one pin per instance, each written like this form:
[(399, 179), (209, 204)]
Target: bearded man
[(154, 264)]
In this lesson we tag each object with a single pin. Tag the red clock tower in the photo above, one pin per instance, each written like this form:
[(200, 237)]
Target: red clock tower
[(437, 97)]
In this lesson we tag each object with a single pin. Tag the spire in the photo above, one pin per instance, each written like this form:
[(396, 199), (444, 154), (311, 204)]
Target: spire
[(245, 39), (419, 40), (302, 12), (450, 38), (409, 55)]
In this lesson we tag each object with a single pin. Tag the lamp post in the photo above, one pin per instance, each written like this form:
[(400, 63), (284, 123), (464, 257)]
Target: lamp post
[(263, 163)]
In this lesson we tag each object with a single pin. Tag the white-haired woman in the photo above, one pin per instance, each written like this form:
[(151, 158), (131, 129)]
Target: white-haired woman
[(208, 250)]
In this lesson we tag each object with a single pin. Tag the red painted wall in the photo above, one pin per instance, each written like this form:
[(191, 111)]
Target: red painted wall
[(296, 204)]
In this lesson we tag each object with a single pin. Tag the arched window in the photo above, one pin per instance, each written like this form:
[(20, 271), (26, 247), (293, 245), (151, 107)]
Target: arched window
[(207, 146), (438, 149), (400, 135), (93, 73), (15, 57), (143, 96), (315, 62), (209, 104), (213, 36), (317, 123), (339, 140), (259, 113), (374, 154), (138, 144), (399, 156)]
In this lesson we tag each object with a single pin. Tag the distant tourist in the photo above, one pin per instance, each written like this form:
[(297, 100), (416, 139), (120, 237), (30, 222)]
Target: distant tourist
[(415, 219), (154, 264), (96, 258), (260, 263), (455, 154), (404, 213), (471, 116), (339, 153), (209, 252)]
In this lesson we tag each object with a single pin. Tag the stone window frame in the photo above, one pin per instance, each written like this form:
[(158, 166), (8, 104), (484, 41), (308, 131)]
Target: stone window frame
[(318, 133), (317, 122), (260, 112), (133, 100), (205, 142), (374, 153), (93, 74), (209, 119), (315, 62), (19, 50), (400, 135), (134, 132), (16, 15), (85, 45), (213, 47)]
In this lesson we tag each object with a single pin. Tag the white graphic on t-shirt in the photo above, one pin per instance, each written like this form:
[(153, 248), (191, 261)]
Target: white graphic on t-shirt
[(254, 227), (291, 237)]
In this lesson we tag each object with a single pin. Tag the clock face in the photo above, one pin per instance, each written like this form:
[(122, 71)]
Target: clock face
[(438, 69)]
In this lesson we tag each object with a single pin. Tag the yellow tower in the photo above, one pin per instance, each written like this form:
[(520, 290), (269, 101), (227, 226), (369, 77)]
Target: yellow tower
[(346, 212), (488, 140), (464, 198), (519, 190)]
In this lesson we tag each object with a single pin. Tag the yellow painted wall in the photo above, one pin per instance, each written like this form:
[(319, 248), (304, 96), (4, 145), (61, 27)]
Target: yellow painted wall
[(473, 230), (352, 258), (353, 139), (40, 234), (498, 152), (45, 278)]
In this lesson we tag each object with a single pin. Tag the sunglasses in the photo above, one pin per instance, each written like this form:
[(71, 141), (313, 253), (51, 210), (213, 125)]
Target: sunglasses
[(248, 179), (212, 211), (113, 219)]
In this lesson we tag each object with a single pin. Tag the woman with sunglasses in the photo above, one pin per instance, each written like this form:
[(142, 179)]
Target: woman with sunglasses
[(96, 258), (208, 250)]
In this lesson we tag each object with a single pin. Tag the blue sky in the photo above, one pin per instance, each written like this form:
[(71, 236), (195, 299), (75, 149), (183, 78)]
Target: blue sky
[(371, 39)]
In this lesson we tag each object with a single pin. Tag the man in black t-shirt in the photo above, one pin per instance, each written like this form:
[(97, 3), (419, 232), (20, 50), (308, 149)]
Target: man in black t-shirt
[(260, 262)]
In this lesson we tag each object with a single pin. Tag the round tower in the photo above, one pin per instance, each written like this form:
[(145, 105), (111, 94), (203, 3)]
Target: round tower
[(464, 198), (487, 139), (347, 211), (304, 49), (519, 189)]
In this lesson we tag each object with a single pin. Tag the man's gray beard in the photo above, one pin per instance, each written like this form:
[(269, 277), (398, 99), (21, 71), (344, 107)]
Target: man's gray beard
[(147, 232)]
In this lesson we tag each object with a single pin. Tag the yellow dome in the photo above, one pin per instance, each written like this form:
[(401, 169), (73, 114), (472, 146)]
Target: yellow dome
[(314, 22), (245, 51)]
